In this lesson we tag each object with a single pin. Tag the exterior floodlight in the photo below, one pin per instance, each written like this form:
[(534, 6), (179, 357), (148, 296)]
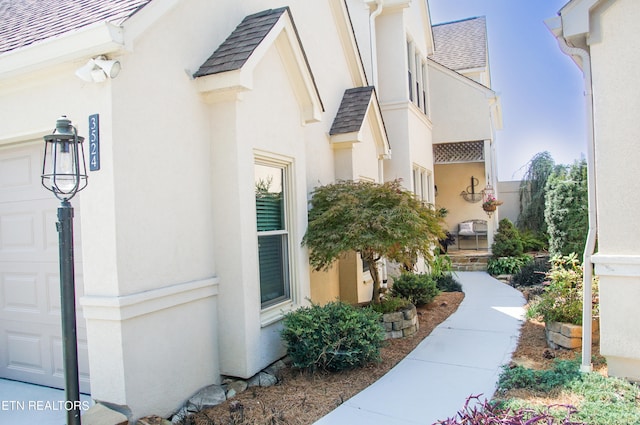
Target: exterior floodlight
[(64, 171), (110, 67), (64, 174), (99, 69), (84, 72)]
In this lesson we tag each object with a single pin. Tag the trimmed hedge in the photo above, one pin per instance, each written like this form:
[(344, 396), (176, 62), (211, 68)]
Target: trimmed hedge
[(333, 337), (419, 289)]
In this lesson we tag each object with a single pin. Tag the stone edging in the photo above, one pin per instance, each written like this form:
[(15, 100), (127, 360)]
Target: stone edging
[(566, 335), (401, 323)]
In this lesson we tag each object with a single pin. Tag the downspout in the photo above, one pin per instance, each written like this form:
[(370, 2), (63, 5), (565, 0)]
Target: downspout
[(372, 41), (587, 311)]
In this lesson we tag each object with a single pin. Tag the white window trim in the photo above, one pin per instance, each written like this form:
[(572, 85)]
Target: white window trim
[(417, 67), (419, 177), (273, 313)]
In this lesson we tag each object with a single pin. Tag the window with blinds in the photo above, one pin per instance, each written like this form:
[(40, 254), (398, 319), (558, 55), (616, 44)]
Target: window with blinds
[(272, 233)]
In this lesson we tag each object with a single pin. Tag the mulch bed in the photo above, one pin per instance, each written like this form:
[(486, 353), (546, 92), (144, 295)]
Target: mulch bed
[(303, 398)]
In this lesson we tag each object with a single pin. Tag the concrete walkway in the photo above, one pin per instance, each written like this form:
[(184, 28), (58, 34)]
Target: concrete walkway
[(462, 356)]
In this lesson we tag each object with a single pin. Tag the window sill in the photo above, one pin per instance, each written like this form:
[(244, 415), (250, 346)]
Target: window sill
[(275, 313)]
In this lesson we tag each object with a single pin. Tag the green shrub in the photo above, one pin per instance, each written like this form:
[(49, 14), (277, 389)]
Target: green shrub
[(562, 299), (532, 273), (566, 211), (419, 289), (507, 265), (602, 400), (447, 283), (390, 305), (334, 337), (534, 241), (562, 373), (607, 401), (506, 242)]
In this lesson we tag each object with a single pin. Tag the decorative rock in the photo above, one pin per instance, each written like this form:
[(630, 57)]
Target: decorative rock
[(262, 379), (180, 415), (207, 397), (99, 414), (236, 387), (276, 368), (153, 420)]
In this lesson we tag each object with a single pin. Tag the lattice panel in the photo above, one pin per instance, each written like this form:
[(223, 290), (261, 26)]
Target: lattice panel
[(458, 152)]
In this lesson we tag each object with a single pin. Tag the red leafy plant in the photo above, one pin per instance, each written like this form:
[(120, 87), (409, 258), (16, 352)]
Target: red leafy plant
[(476, 412)]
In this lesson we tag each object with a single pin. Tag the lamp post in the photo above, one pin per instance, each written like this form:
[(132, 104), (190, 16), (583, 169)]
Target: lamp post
[(64, 173)]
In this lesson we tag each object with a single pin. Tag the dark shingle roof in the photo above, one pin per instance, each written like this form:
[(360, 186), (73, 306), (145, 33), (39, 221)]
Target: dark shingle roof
[(236, 49), (461, 44), (352, 110), (24, 22)]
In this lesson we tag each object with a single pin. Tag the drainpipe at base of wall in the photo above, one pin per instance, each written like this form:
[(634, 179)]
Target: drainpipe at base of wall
[(555, 25)]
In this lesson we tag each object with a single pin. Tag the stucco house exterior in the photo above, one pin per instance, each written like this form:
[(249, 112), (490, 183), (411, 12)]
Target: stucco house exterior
[(222, 119), (596, 35), (466, 119)]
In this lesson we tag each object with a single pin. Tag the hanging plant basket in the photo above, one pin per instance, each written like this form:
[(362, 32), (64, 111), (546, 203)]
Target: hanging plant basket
[(490, 207)]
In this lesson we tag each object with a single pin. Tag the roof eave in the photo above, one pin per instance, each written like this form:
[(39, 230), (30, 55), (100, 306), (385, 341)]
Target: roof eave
[(489, 93), (347, 36), (101, 38)]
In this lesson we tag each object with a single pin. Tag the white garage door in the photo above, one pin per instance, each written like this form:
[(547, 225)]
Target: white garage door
[(30, 326)]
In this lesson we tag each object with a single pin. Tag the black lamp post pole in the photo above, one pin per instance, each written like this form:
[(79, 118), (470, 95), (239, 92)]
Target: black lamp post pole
[(64, 173), (68, 307)]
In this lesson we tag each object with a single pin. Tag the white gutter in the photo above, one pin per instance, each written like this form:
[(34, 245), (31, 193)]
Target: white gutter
[(587, 311), (100, 38), (372, 41)]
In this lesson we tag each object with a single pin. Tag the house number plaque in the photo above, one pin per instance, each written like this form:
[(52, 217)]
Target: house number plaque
[(94, 142)]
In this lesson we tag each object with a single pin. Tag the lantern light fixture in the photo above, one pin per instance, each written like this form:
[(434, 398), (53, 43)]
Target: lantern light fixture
[(64, 171)]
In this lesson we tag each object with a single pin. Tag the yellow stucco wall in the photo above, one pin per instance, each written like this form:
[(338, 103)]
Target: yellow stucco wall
[(451, 180), (325, 285)]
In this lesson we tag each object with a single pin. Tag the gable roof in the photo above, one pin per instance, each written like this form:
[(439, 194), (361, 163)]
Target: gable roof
[(233, 53), (461, 44), (25, 22), (230, 68), (356, 104), (352, 110)]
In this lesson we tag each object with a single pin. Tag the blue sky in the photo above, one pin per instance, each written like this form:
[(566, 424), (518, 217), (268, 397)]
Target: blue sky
[(540, 88)]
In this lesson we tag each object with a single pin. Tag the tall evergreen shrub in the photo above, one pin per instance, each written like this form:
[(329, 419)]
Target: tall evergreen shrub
[(506, 242), (566, 211)]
